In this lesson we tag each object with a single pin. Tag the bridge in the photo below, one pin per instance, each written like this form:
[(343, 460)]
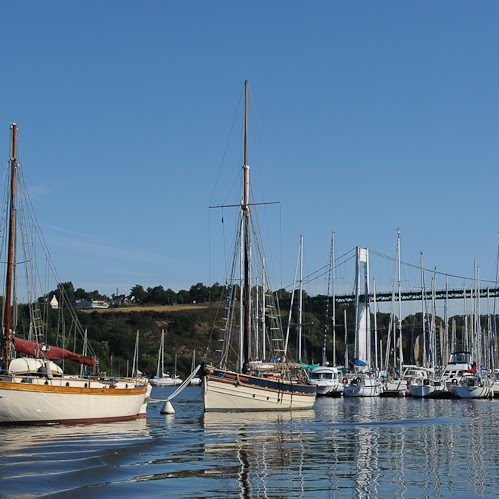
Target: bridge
[(450, 294)]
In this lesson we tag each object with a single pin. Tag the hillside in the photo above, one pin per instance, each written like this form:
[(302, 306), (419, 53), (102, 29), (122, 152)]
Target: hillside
[(188, 328), (147, 308), (112, 333)]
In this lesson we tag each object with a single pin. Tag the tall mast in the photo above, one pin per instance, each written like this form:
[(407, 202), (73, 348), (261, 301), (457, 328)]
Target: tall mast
[(401, 360), (375, 316), (245, 216), (300, 308), (10, 250), (330, 280)]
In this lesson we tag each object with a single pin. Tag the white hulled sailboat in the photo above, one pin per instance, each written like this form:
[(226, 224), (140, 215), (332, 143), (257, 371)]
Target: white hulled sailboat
[(33, 388), (364, 383), (260, 377)]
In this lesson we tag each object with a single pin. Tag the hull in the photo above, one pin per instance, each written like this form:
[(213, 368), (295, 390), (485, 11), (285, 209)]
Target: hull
[(421, 391), (395, 388), (327, 381), (70, 400), (228, 391), (473, 392), (162, 382), (329, 390), (365, 388), (195, 381)]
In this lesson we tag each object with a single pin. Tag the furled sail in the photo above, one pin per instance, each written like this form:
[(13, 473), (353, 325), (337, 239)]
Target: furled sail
[(37, 350)]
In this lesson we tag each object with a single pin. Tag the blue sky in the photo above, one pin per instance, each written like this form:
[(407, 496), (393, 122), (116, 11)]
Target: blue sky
[(365, 116)]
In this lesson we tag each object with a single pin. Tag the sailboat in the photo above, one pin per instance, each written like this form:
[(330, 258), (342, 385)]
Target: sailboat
[(34, 389), (161, 378), (428, 385), (328, 379), (474, 382), (195, 380), (261, 377), (364, 383)]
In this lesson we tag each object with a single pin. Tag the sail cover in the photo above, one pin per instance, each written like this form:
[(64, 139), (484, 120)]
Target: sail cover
[(50, 353)]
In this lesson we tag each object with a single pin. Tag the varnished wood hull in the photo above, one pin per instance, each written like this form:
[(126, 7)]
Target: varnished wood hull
[(31, 400)]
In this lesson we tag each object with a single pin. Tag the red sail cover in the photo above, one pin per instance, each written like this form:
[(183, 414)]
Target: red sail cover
[(51, 353)]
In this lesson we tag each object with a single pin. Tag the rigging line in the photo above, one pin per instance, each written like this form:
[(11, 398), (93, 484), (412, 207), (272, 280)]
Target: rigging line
[(323, 269), (226, 147), (272, 268), (426, 270), (347, 260), (344, 254), (30, 215), (309, 280), (255, 223)]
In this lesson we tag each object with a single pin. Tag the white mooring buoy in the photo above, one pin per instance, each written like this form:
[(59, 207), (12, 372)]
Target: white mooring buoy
[(168, 408)]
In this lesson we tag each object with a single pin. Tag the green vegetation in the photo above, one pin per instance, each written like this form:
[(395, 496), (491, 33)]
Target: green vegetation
[(112, 333)]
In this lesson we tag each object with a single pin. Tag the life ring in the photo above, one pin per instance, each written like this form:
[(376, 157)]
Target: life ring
[(454, 381), (345, 381)]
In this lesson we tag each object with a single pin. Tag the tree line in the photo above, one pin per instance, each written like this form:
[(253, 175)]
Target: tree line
[(114, 335), (157, 295)]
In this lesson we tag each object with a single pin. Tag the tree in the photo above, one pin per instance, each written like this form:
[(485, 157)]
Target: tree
[(199, 293), (138, 293), (157, 295), (171, 297), (69, 291), (183, 297), (216, 292), (80, 294)]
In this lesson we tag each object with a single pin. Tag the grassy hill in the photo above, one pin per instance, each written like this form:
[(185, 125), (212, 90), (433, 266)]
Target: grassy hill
[(112, 333)]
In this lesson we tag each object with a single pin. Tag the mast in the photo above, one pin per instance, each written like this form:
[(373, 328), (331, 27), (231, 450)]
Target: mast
[(264, 305), (135, 366), (333, 313), (10, 250), (375, 362), (446, 323), (346, 362), (330, 281), (401, 360), (162, 354), (245, 217), (300, 319), (427, 354)]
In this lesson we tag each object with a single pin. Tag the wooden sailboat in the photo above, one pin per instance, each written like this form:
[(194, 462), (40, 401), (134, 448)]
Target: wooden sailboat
[(33, 388), (261, 378)]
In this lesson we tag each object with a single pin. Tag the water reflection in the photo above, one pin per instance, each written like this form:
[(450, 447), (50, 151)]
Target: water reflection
[(263, 451), (19, 438), (342, 448)]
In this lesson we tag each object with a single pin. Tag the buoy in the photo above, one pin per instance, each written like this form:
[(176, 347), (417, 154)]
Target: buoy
[(168, 408)]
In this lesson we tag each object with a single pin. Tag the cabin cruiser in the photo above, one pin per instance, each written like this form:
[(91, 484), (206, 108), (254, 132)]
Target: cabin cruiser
[(459, 363), (328, 380)]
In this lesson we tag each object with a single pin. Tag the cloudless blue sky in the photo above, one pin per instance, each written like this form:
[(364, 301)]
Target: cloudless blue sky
[(368, 116)]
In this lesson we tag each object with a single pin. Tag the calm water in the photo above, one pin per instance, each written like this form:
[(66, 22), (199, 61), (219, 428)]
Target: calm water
[(384, 447)]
